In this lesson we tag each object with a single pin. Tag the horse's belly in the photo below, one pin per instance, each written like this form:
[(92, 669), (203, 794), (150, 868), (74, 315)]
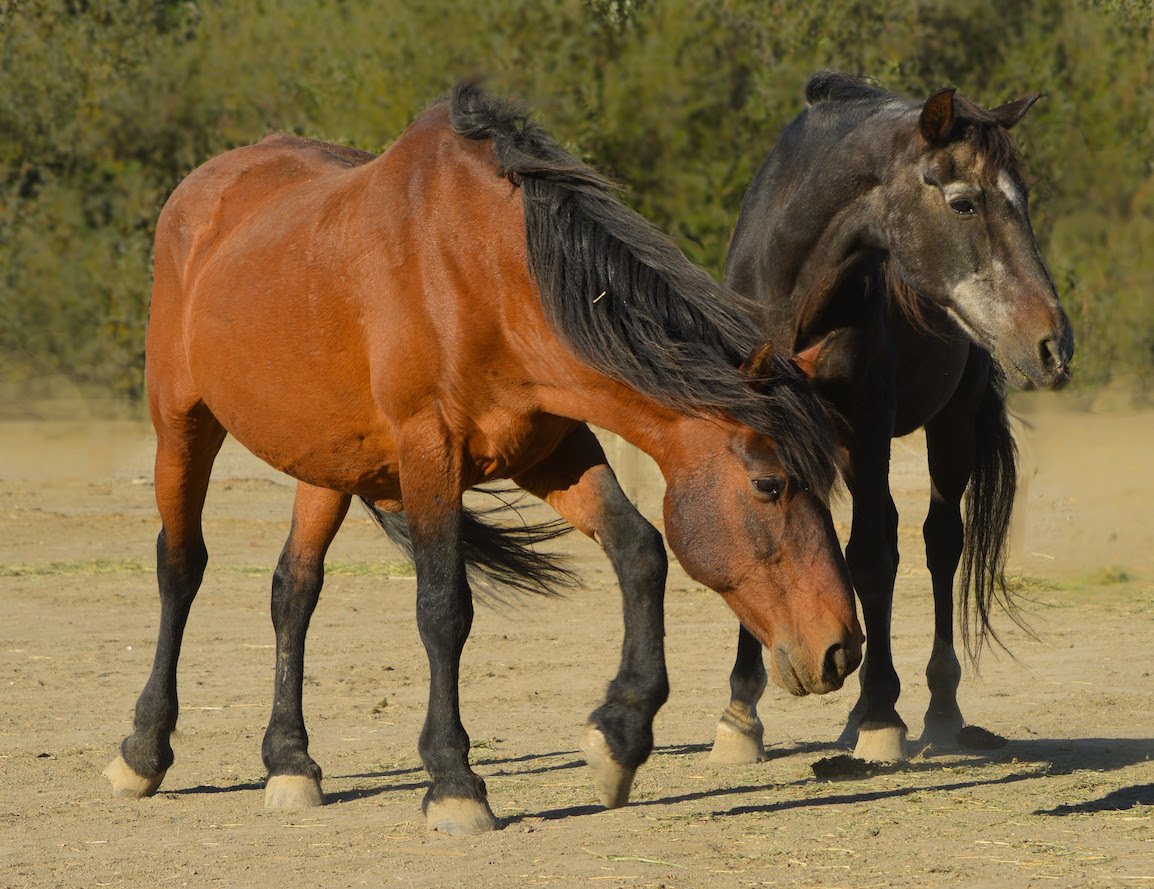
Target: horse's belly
[(329, 450), (297, 396)]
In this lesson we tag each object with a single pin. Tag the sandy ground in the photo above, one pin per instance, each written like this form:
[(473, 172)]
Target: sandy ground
[(1069, 801)]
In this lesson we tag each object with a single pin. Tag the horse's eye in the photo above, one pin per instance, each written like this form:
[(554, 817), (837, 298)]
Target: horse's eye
[(771, 487), (962, 206)]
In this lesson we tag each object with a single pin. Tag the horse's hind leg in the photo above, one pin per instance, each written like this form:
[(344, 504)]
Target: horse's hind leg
[(950, 449), (740, 734), (185, 449), (576, 481), (294, 779), (943, 531)]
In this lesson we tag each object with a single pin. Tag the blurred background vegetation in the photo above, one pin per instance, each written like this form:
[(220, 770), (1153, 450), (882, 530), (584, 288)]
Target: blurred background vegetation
[(106, 104)]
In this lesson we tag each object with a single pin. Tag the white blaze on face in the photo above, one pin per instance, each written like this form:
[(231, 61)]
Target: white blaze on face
[(1013, 194), (977, 306)]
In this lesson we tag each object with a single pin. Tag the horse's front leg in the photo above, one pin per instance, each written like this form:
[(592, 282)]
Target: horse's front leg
[(949, 447), (456, 801), (874, 726), (578, 482), (740, 735), (294, 779)]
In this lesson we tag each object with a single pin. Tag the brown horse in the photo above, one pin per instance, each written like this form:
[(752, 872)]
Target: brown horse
[(897, 234), (402, 328)]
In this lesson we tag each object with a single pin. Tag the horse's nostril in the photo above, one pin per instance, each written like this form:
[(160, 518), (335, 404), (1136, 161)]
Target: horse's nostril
[(1050, 351), (839, 662)]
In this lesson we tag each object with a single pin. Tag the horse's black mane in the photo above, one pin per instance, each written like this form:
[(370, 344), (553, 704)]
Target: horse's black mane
[(834, 86), (629, 303), (972, 122)]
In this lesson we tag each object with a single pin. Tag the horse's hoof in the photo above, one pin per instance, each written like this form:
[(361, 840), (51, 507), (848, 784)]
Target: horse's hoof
[(613, 780), (941, 733), (286, 792), (127, 784), (734, 746), (459, 817), (884, 744)]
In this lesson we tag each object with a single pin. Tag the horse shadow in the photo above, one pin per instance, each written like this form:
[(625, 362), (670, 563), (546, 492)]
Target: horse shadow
[(1035, 758), (1114, 801)]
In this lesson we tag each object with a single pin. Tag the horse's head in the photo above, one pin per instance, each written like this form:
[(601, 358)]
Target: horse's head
[(958, 228), (740, 524)]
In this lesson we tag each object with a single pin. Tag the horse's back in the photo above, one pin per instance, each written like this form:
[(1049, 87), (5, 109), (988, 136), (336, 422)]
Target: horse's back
[(315, 297), (242, 184)]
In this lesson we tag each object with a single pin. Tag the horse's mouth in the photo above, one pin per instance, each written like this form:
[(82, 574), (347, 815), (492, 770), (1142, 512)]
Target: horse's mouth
[(1020, 378), (786, 675), (1026, 376), (1016, 376)]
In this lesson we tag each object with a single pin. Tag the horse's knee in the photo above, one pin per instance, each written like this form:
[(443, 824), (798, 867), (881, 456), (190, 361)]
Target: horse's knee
[(872, 566), (180, 565), (296, 586), (638, 554)]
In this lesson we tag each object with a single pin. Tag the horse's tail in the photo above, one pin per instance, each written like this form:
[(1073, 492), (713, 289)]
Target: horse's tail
[(498, 559), (989, 505)]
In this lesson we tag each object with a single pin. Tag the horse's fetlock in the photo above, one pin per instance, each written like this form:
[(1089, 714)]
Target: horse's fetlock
[(147, 756), (458, 785)]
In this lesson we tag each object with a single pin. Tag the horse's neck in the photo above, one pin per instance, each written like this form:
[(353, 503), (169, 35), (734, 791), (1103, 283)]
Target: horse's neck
[(819, 219), (616, 408)]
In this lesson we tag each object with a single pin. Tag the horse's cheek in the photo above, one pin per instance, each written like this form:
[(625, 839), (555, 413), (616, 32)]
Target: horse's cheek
[(696, 529)]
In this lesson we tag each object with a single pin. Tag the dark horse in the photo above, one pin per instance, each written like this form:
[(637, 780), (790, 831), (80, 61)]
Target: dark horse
[(896, 234), (402, 328)]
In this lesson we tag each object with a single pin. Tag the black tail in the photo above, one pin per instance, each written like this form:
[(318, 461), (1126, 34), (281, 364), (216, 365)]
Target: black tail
[(498, 559), (989, 504)]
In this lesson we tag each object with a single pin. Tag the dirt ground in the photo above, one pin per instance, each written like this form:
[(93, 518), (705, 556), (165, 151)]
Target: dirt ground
[(1069, 801)]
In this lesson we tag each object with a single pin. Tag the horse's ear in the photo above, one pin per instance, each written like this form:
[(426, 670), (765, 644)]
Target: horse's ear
[(937, 118), (759, 365), (806, 360), (1012, 112)]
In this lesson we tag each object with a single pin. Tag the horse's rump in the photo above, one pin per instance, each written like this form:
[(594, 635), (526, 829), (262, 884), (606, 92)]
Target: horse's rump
[(294, 279)]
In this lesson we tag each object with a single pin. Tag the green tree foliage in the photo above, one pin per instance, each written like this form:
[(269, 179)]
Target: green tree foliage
[(106, 104)]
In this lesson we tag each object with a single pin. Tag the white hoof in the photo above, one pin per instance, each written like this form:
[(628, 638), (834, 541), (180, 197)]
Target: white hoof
[(613, 780), (733, 746), (881, 744), (127, 784), (286, 792), (459, 817)]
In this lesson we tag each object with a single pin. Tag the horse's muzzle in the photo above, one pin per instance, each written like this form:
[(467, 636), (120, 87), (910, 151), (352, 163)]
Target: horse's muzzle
[(839, 660)]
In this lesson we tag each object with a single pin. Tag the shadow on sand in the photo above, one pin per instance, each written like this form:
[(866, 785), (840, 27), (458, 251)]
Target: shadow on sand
[(1114, 801), (1032, 758)]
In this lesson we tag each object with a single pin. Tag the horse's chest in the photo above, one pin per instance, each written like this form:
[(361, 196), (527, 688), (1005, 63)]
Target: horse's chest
[(504, 444), (929, 367)]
